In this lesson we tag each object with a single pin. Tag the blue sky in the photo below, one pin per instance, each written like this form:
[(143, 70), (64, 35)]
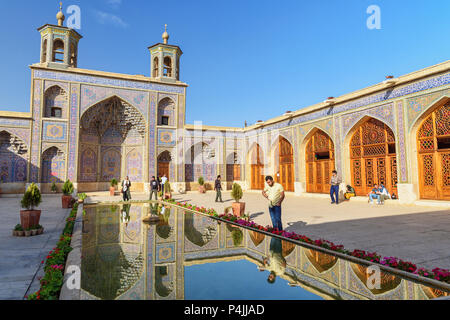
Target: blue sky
[(243, 60)]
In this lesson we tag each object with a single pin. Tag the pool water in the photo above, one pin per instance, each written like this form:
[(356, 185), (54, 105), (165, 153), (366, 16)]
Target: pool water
[(193, 257)]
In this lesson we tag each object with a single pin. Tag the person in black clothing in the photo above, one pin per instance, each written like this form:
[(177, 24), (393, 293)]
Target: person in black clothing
[(154, 188), (218, 188)]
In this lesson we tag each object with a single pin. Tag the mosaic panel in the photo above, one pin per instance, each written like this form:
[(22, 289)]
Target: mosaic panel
[(165, 252), (383, 113), (91, 95), (111, 163), (166, 137), (14, 122), (34, 170), (401, 142), (151, 134), (416, 105), (73, 133), (88, 164), (134, 165), (44, 74), (54, 131)]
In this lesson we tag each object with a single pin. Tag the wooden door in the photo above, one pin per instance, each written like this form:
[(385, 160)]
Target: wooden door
[(373, 158), (433, 145), (319, 162), (285, 174), (163, 168), (257, 168)]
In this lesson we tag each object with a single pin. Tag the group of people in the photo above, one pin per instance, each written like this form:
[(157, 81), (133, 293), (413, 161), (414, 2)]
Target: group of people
[(156, 186)]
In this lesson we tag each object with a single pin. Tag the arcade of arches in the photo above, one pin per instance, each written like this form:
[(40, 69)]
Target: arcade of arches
[(433, 145)]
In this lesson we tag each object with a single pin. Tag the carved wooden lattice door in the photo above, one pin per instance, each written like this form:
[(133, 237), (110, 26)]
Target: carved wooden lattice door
[(373, 158), (257, 168), (233, 168), (319, 162), (433, 139), (285, 173)]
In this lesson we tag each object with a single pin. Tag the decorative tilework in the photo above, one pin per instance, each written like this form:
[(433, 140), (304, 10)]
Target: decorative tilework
[(34, 170), (22, 133), (53, 166), (166, 137), (91, 95), (72, 77), (337, 145), (54, 131), (416, 105), (49, 84), (134, 166), (401, 142), (165, 252), (384, 113), (151, 133), (73, 132), (14, 122), (111, 163), (387, 94)]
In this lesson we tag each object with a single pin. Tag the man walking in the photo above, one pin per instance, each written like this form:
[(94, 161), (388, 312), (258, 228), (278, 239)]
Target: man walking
[(334, 189), (154, 186), (274, 192), (218, 188)]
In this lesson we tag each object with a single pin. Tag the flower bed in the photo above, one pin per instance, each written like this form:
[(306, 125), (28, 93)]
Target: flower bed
[(393, 262), (53, 279)]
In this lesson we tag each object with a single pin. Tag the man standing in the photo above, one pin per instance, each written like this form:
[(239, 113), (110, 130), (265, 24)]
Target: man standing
[(218, 188), (154, 186), (334, 189), (274, 192)]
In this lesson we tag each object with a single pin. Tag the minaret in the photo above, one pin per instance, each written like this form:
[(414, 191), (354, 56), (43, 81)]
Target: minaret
[(165, 60), (59, 44)]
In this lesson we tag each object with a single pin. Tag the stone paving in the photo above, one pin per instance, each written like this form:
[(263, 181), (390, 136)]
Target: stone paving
[(420, 234), (20, 257)]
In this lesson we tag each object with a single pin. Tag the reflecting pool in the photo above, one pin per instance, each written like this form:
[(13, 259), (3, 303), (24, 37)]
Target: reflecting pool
[(190, 256)]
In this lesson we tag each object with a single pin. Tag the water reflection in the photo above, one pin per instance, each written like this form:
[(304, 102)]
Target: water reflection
[(188, 256)]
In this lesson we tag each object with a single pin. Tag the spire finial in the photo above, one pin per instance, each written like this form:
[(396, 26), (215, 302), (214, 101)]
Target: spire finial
[(165, 35), (60, 16)]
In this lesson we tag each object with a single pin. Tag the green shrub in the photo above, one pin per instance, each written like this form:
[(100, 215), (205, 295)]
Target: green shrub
[(54, 189), (114, 182), (236, 192), (32, 197), (67, 188), (18, 227), (82, 196), (201, 181)]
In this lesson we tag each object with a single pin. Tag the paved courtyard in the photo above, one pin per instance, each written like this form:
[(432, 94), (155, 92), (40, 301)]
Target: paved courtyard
[(20, 257), (420, 234)]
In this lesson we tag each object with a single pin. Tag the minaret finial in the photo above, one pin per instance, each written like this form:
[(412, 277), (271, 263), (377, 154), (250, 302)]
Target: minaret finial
[(165, 35), (60, 16)]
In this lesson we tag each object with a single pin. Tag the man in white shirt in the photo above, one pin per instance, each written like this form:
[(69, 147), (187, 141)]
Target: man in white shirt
[(274, 192), (163, 181)]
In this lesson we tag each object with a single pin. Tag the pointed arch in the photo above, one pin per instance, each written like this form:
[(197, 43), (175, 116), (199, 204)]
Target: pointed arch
[(53, 166), (431, 132), (55, 102), (370, 146), (256, 161), (13, 158), (319, 160)]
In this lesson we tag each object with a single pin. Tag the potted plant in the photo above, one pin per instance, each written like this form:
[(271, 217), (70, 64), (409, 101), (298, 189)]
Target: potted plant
[(34, 230), (201, 183), (167, 190), (81, 197), (31, 199), (18, 228), (112, 188), (40, 229), (53, 188), (28, 232), (236, 194), (67, 194)]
